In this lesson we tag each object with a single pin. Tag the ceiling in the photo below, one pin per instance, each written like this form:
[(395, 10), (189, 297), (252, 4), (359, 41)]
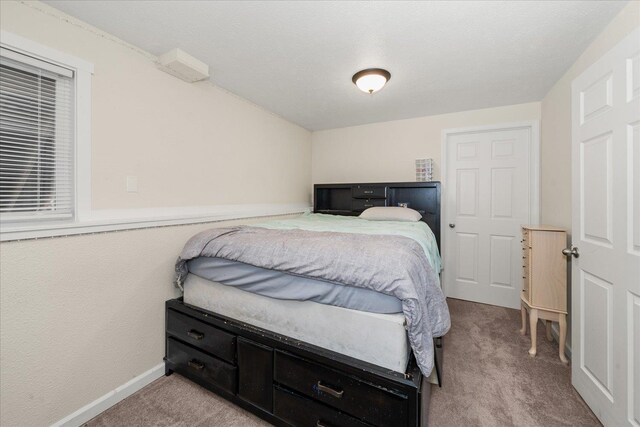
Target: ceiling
[(296, 59)]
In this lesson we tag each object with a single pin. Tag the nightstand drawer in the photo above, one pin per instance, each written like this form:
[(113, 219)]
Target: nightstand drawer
[(369, 192), (301, 411), (194, 363), (378, 406), (362, 204), (208, 338)]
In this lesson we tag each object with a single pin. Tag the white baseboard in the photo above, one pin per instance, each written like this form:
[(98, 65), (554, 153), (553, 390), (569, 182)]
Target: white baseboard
[(556, 335), (100, 405)]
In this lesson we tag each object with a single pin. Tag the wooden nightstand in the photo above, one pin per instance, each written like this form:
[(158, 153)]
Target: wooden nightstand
[(544, 289)]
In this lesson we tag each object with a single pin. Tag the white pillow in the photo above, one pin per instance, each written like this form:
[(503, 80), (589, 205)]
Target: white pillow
[(391, 213)]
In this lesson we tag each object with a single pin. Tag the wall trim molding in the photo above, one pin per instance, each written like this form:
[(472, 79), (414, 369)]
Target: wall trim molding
[(102, 221), (103, 403)]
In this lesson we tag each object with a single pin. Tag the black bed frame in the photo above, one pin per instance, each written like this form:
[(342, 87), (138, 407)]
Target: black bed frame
[(289, 382), (352, 199)]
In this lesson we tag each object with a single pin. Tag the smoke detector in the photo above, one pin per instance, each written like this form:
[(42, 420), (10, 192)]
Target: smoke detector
[(180, 64)]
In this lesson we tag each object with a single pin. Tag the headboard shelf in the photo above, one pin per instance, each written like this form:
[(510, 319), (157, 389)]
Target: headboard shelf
[(337, 212), (352, 199)]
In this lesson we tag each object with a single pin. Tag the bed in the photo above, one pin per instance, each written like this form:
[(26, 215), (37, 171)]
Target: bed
[(278, 340)]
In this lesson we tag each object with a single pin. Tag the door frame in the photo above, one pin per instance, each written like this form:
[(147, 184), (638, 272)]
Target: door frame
[(534, 167)]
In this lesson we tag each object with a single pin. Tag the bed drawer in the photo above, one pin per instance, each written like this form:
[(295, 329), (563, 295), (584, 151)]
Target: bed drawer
[(375, 405), (369, 191), (255, 373), (362, 204), (301, 411), (186, 359), (208, 338)]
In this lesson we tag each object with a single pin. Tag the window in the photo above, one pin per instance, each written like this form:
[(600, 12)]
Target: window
[(36, 140)]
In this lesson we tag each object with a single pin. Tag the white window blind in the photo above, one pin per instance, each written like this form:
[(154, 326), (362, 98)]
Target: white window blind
[(36, 139)]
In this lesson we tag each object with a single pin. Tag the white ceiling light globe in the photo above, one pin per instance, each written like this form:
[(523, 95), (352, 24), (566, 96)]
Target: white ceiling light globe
[(371, 83), (371, 80)]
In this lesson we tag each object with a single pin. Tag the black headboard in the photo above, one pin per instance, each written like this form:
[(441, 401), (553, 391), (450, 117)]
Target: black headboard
[(352, 199)]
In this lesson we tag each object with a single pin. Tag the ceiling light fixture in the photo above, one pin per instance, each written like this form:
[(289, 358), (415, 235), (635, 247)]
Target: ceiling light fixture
[(371, 80)]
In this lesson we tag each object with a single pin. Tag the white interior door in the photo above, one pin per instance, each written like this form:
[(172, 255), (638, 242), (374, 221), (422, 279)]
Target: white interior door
[(488, 176), (606, 231)]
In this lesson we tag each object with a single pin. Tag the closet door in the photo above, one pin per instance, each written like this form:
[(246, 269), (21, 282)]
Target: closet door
[(488, 196)]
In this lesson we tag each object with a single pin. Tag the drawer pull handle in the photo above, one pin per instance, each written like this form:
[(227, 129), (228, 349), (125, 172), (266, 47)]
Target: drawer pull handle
[(368, 191), (367, 205), (195, 334), (198, 366), (333, 392)]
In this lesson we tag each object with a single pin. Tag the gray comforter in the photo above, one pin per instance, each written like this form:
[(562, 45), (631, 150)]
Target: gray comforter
[(393, 265)]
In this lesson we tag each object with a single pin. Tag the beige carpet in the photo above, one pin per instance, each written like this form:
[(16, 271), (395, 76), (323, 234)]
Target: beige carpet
[(489, 380)]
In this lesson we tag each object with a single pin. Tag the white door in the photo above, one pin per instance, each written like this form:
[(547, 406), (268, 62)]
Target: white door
[(487, 189), (606, 232)]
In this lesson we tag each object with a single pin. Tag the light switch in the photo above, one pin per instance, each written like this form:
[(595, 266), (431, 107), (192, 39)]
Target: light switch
[(132, 184)]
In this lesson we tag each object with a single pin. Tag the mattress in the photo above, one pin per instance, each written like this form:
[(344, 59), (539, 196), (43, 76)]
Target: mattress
[(379, 339), (280, 285)]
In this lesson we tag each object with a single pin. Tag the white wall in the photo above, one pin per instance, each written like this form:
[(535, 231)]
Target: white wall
[(82, 315), (387, 151), (188, 144), (555, 183)]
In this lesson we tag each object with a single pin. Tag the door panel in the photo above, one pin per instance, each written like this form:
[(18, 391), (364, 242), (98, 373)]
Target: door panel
[(488, 178), (467, 192), (502, 192), (467, 257), (596, 98), (502, 273), (633, 77), (633, 323), (468, 150), (605, 223), (633, 154), (596, 330), (595, 159), (502, 148)]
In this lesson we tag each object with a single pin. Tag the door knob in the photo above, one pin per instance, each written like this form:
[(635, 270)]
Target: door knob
[(571, 251), (452, 226)]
